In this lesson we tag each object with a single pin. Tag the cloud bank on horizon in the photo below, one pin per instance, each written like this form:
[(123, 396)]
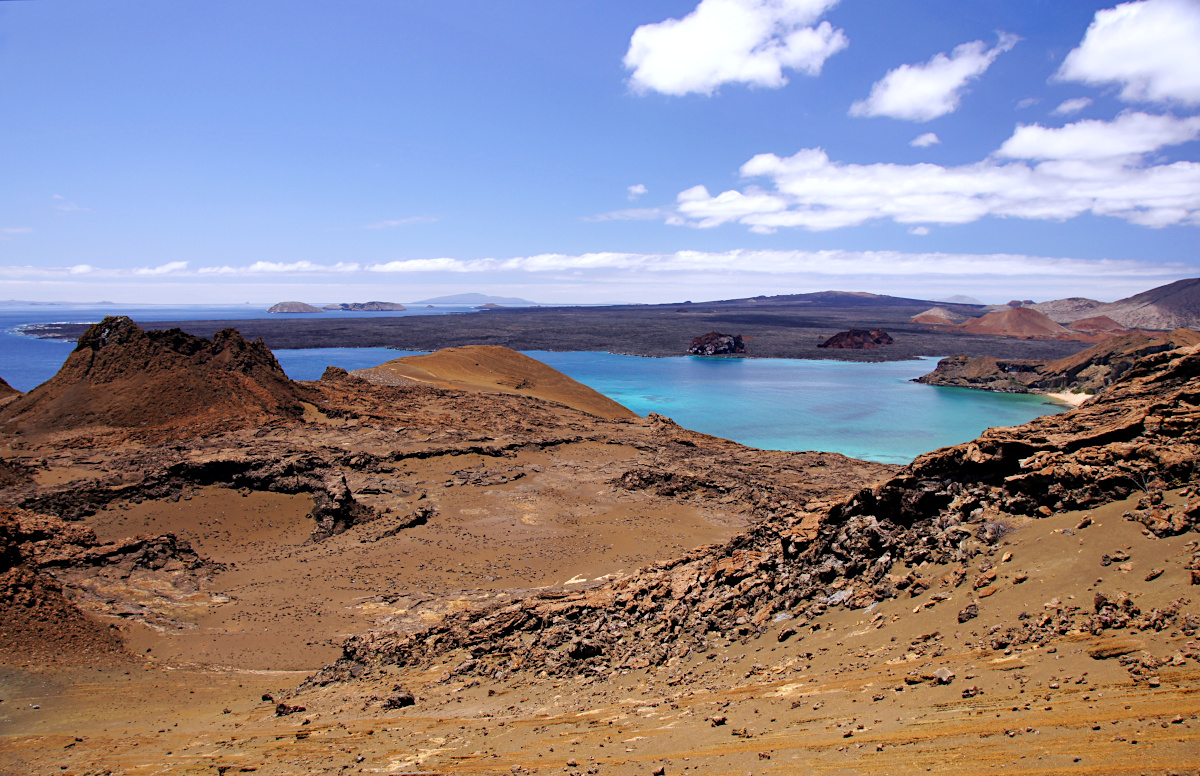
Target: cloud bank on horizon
[(794, 142)]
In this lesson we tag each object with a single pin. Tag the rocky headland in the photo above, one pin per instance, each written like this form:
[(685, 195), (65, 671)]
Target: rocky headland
[(1086, 372)]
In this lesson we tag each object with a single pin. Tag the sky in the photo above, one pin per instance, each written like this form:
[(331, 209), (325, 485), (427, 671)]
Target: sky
[(590, 151)]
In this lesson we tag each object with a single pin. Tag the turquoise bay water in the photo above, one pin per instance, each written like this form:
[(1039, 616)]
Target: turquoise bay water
[(868, 411)]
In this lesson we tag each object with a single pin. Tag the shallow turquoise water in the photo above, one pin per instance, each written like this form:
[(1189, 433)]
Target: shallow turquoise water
[(868, 411)]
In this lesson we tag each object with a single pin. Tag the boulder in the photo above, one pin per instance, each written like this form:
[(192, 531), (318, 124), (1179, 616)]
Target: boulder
[(717, 344)]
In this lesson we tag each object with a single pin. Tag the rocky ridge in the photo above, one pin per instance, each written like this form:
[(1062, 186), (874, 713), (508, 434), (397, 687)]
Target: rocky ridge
[(717, 344)]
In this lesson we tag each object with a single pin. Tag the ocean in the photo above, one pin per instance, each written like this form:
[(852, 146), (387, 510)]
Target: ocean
[(871, 411)]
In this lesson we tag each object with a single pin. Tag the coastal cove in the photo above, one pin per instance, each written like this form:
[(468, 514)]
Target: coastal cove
[(873, 412), (870, 411)]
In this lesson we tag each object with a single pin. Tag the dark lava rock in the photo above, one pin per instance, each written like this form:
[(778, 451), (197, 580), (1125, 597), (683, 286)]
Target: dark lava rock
[(400, 700), (717, 344), (858, 339), (283, 709), (969, 613)]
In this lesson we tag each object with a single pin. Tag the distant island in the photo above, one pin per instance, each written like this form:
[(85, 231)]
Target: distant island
[(479, 299), (367, 307), (293, 307)]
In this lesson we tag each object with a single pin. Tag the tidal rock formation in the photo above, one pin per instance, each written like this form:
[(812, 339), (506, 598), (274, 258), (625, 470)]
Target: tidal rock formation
[(1088, 371), (294, 307), (360, 307), (858, 339), (717, 344), (121, 377)]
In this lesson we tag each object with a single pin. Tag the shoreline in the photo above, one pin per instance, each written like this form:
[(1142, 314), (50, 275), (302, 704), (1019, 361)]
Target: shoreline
[(1068, 397)]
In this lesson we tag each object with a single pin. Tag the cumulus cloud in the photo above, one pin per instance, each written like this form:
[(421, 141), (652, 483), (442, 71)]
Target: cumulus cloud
[(636, 191), (732, 41), (926, 140), (169, 268), (920, 231), (1130, 134), (1150, 48), (280, 268), (1073, 105), (925, 91), (1087, 167)]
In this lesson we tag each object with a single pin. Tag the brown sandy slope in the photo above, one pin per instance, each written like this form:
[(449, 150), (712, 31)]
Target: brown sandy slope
[(1089, 370), (1016, 322), (493, 368), (119, 376)]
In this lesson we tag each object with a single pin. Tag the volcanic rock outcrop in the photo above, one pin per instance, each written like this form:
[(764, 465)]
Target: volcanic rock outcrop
[(716, 344), (858, 339), (120, 377), (947, 507), (1088, 371)]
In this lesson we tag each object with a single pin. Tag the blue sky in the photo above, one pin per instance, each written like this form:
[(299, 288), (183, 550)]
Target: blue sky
[(596, 151)]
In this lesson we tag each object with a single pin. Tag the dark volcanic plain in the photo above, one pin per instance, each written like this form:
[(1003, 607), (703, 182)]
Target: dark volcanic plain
[(774, 327)]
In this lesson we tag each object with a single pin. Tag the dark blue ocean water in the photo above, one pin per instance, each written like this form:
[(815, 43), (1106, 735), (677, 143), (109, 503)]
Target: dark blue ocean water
[(869, 411)]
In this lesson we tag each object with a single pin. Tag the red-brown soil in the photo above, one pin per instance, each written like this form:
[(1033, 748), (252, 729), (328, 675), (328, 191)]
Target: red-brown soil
[(493, 368)]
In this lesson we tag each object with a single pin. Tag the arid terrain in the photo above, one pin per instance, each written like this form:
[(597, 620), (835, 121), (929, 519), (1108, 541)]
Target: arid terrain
[(464, 564)]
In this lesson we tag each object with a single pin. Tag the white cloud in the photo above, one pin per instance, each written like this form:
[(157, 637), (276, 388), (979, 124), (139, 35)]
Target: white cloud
[(81, 269), (421, 265), (1151, 48), (1073, 105), (636, 191), (1028, 102), (926, 140), (392, 223), (163, 269), (1088, 167), (281, 268), (1130, 134), (633, 214), (920, 231), (925, 91), (732, 41), (8, 232)]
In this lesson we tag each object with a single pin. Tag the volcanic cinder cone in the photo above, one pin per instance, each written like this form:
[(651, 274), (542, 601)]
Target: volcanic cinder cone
[(121, 377)]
